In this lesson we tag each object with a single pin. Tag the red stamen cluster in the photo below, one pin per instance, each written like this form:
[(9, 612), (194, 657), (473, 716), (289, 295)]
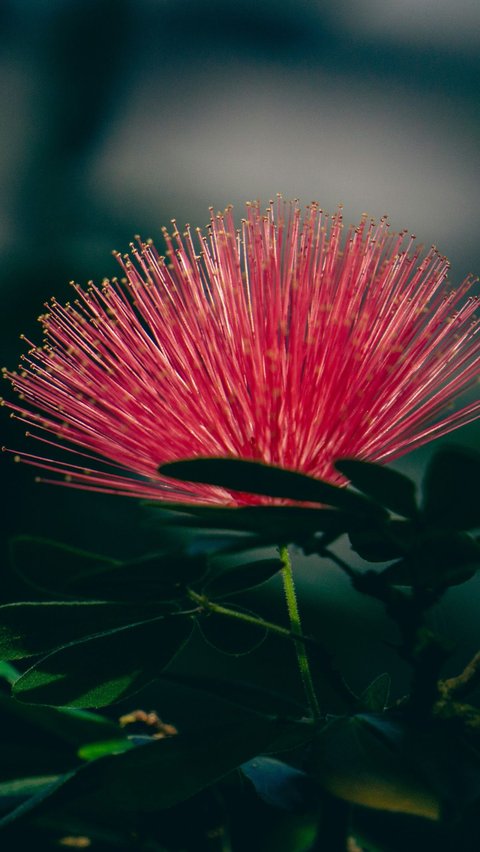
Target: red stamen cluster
[(276, 341)]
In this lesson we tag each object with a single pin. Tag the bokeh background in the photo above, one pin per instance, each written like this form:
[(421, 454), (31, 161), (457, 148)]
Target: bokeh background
[(118, 115)]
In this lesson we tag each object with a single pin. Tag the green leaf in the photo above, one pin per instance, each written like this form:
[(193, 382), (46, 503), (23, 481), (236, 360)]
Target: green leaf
[(352, 762), (451, 489), (25, 787), (8, 672), (13, 793), (375, 696), (216, 542), (435, 560), (386, 486), (242, 693), (28, 629), (50, 565), (58, 569), (389, 763), (295, 522), (37, 740), (254, 477), (162, 773), (66, 725), (242, 577), (383, 542), (36, 796), (92, 751), (106, 668), (171, 770), (157, 576), (282, 786)]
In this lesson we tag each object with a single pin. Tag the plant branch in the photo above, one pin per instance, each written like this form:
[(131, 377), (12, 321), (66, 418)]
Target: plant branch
[(296, 628), (210, 606), (420, 647), (464, 683)]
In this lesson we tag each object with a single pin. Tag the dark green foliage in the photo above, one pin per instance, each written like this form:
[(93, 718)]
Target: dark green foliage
[(394, 764), (281, 785), (53, 567), (101, 629), (44, 740), (375, 696), (357, 762), (242, 577), (451, 489), (380, 543), (27, 629), (387, 487), (436, 559), (244, 693), (433, 548), (64, 571), (106, 667), (259, 478), (163, 772), (233, 530)]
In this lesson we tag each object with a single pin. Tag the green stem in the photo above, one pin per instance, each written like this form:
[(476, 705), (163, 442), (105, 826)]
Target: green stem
[(296, 629), (209, 605)]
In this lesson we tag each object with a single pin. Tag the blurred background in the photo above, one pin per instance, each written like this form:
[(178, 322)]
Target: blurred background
[(118, 115)]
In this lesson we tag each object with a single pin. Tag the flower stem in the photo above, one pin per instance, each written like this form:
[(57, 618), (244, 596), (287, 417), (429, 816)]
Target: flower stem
[(296, 630)]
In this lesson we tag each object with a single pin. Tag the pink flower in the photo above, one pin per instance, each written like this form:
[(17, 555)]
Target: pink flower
[(275, 341)]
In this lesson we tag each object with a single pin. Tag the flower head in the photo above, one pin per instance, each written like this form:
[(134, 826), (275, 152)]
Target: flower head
[(276, 341)]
